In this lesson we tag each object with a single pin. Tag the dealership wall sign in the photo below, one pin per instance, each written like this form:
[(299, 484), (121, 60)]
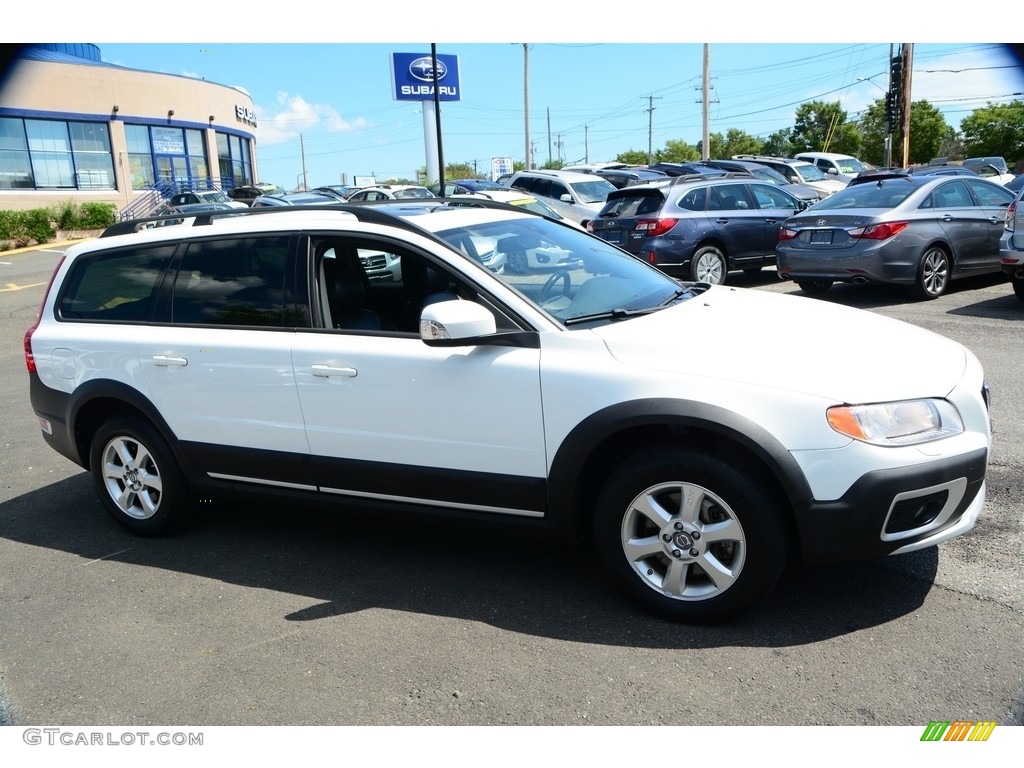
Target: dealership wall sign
[(412, 76), (245, 115)]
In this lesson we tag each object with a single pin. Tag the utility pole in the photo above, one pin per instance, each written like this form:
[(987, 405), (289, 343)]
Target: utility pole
[(890, 106), (302, 150), (905, 101), (705, 149), (526, 103), (650, 128), (586, 144), (549, 135)]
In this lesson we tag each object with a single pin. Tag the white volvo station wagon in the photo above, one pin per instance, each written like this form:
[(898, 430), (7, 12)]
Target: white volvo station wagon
[(591, 397)]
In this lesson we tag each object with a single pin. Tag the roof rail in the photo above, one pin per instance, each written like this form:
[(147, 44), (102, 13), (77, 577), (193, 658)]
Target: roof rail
[(710, 176), (374, 212)]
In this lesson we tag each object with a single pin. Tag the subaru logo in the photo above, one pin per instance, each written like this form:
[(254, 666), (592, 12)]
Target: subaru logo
[(423, 69)]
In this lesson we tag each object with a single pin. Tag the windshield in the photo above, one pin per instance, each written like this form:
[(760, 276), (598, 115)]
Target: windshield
[(213, 197), (853, 165), (536, 206), (770, 174), (811, 172), (572, 275), (413, 192), (593, 191)]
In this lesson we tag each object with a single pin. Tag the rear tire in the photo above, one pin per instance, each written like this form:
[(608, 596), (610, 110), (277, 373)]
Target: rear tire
[(933, 273), (708, 265), (690, 536), (137, 478), (1018, 287)]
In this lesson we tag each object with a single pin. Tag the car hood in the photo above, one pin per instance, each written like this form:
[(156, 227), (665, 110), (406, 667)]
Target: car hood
[(792, 343)]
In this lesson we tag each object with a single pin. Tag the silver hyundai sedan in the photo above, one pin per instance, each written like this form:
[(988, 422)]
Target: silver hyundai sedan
[(896, 228)]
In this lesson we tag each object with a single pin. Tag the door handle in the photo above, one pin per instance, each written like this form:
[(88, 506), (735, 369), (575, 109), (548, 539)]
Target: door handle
[(722, 221), (325, 370), (995, 220), (947, 217), (165, 361)]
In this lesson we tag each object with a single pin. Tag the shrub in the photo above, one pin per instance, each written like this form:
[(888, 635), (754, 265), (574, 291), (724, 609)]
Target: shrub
[(97, 215), (22, 227), (66, 215), (37, 226)]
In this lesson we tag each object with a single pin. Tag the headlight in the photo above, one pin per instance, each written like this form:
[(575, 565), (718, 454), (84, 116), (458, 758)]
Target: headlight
[(907, 422)]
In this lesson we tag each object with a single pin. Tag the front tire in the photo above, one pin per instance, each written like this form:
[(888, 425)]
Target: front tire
[(709, 266), (689, 536), (933, 273), (137, 478), (1018, 287)]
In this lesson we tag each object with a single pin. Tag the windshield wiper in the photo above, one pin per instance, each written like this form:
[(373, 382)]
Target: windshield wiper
[(614, 314), (691, 290)]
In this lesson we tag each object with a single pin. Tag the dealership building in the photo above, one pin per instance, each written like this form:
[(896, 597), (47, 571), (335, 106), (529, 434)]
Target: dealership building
[(73, 127)]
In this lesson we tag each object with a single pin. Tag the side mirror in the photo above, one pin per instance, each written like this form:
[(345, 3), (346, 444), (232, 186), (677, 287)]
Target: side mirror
[(566, 198), (455, 323)]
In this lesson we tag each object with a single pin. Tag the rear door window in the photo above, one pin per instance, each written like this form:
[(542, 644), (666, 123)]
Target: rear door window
[(233, 282)]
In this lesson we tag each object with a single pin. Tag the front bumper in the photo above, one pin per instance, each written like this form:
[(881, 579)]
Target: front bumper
[(892, 511)]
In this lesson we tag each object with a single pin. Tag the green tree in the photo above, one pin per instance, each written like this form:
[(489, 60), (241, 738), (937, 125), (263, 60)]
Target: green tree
[(460, 171), (632, 157), (676, 151), (739, 142), (822, 127), (996, 130), (928, 129), (779, 144)]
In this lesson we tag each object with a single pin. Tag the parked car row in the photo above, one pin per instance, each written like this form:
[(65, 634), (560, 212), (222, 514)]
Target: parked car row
[(820, 218)]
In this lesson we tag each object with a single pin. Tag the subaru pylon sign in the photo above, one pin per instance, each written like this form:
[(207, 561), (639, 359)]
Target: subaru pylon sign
[(413, 77)]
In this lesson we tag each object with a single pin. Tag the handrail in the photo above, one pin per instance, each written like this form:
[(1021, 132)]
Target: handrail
[(160, 192)]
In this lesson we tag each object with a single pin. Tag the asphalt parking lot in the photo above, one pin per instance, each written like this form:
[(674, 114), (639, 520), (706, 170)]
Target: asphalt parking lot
[(270, 616)]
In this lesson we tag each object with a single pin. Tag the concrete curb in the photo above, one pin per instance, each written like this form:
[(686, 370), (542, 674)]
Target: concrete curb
[(44, 246)]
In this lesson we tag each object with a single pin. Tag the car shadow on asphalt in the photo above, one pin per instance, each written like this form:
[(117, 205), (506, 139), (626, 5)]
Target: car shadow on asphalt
[(875, 296), (349, 563)]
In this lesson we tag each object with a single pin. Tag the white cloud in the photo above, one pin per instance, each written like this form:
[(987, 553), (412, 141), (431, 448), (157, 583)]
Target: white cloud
[(293, 115)]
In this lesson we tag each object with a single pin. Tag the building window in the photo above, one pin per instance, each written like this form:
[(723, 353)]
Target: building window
[(198, 168), (15, 167), (54, 154), (234, 160), (140, 156)]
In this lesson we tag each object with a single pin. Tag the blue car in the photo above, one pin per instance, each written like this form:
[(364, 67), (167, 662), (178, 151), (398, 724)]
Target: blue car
[(697, 227)]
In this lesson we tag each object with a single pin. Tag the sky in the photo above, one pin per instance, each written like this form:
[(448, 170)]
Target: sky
[(325, 106)]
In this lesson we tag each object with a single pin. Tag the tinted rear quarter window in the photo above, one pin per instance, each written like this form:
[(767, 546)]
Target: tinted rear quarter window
[(114, 286)]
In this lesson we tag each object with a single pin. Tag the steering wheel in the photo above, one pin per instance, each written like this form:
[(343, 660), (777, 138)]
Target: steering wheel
[(546, 293)]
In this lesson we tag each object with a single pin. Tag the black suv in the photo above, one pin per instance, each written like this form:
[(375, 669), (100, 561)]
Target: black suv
[(698, 227)]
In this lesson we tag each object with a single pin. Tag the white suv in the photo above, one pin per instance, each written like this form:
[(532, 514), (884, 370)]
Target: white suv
[(248, 354), (576, 196), (842, 167)]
